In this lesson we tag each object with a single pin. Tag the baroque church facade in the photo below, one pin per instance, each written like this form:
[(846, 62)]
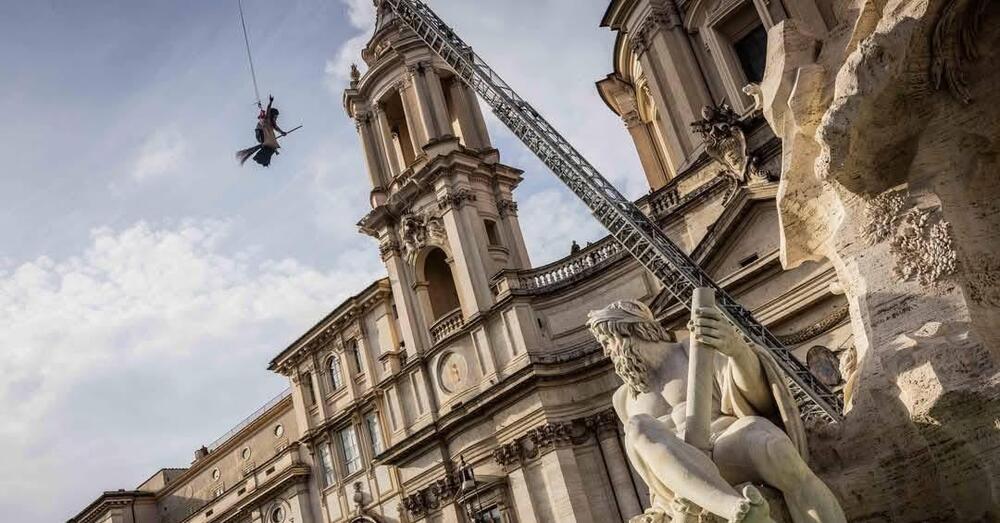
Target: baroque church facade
[(465, 387)]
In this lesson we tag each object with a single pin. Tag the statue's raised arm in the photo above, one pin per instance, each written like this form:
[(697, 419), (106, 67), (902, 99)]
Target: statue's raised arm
[(756, 434)]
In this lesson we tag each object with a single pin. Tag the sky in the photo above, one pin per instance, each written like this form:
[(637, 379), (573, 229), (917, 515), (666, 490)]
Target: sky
[(146, 279)]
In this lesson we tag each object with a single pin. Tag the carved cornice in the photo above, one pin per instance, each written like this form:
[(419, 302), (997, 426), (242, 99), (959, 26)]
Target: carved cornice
[(418, 67), (507, 208), (389, 249), (541, 440), (665, 16), (434, 496), (456, 199)]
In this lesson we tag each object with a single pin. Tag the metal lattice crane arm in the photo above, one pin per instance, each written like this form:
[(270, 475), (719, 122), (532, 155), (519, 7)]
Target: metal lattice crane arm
[(623, 219)]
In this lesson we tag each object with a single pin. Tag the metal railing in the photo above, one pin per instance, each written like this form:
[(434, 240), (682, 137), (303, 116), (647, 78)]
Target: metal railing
[(248, 420)]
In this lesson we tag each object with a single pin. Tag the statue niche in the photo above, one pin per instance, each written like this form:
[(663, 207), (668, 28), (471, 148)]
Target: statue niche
[(417, 231), (752, 430)]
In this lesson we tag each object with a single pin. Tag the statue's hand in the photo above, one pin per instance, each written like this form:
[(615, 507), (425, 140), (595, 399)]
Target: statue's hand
[(709, 328)]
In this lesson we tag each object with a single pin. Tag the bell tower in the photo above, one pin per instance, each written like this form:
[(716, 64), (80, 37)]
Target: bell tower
[(443, 210)]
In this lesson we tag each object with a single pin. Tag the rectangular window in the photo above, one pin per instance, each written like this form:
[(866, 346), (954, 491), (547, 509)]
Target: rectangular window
[(751, 49), (374, 432), (326, 461), (354, 352), (351, 452), (492, 233), (490, 515), (307, 389)]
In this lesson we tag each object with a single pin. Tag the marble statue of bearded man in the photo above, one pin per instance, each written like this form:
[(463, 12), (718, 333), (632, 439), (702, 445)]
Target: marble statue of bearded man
[(756, 433)]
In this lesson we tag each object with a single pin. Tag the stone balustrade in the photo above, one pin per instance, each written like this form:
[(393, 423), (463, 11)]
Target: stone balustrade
[(447, 325), (584, 262)]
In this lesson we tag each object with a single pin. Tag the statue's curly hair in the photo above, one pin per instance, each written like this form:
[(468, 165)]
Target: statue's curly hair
[(623, 322)]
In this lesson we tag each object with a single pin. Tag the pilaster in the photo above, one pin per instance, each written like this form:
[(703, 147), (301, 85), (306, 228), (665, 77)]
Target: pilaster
[(469, 268)]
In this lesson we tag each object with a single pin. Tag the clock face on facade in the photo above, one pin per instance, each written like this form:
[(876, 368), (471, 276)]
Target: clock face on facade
[(453, 372)]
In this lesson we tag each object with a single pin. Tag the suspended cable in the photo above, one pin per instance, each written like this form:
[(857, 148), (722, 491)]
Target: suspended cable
[(246, 39)]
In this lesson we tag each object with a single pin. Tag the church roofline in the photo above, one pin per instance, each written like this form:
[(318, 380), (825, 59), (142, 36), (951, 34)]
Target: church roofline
[(341, 310), (109, 498)]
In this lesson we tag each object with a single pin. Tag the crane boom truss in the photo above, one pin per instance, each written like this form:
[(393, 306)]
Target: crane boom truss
[(635, 231)]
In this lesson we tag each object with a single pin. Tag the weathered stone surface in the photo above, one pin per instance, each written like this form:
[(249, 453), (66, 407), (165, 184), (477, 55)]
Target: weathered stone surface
[(897, 186)]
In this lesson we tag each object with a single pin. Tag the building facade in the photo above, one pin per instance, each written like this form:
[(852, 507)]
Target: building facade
[(464, 386)]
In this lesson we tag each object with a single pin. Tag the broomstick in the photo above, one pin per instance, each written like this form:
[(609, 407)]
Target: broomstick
[(245, 154)]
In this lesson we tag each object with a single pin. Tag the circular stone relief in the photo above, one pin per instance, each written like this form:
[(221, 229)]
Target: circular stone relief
[(277, 514), (216, 473), (453, 372), (245, 454), (279, 431)]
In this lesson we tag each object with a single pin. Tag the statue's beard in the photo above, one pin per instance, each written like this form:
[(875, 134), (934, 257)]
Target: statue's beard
[(629, 365)]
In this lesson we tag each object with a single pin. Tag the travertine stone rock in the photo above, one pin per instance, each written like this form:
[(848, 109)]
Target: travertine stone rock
[(890, 145)]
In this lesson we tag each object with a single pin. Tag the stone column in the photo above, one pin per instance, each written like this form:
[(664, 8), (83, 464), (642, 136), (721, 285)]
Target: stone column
[(466, 118), (469, 268), (439, 106), (507, 209), (472, 99), (373, 164), (422, 100), (388, 142), (523, 494), (412, 327), (564, 486), (411, 110), (675, 78), (629, 502)]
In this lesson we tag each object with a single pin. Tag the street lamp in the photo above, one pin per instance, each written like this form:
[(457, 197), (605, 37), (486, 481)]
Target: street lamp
[(468, 476)]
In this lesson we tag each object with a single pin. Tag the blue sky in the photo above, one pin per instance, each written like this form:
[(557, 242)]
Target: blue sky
[(145, 278)]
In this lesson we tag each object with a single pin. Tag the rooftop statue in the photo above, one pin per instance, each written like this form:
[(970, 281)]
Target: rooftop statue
[(752, 427)]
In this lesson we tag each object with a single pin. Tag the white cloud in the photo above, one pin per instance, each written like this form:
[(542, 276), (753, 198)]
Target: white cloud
[(361, 14), (162, 153), (145, 345), (565, 219)]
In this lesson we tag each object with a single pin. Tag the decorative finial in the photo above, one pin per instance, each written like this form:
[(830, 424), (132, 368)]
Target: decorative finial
[(355, 73)]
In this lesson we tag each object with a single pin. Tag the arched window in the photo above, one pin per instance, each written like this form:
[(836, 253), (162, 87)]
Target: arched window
[(440, 284), (336, 375)]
